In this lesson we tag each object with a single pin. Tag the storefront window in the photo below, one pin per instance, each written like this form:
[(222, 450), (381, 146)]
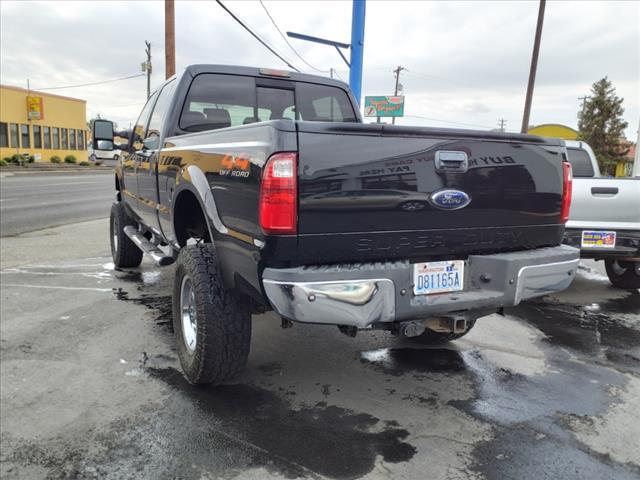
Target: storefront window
[(13, 132), (47, 137), (80, 139), (4, 135), (64, 138), (24, 133), (56, 138), (37, 136), (72, 139)]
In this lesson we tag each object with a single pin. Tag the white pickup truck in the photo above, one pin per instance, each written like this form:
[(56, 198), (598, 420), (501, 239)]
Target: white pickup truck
[(605, 217)]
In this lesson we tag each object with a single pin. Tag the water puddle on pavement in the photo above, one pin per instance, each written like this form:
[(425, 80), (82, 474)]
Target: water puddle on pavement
[(608, 330), (398, 361), (323, 439)]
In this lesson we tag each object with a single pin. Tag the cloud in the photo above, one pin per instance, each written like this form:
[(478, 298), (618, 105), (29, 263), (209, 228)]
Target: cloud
[(466, 62)]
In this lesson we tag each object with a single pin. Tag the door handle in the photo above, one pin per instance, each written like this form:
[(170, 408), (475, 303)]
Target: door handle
[(604, 190), (451, 160)]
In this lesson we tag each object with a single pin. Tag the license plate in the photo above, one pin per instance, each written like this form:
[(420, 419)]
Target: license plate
[(598, 239), (438, 277)]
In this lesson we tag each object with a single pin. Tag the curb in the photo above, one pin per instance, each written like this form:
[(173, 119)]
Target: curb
[(13, 173)]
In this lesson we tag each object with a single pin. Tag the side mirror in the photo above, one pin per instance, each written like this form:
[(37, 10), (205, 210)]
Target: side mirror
[(102, 133)]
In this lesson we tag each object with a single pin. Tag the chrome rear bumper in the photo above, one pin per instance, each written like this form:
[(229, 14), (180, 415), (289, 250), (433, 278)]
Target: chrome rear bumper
[(360, 295)]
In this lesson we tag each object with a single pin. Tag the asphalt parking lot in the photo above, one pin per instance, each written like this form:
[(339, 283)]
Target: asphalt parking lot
[(91, 386)]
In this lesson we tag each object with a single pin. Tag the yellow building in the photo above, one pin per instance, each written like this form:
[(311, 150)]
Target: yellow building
[(554, 130), (42, 125)]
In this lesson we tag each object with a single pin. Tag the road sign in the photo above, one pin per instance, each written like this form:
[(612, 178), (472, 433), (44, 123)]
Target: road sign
[(384, 106)]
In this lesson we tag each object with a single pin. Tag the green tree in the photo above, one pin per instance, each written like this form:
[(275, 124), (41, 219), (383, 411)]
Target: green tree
[(601, 125)]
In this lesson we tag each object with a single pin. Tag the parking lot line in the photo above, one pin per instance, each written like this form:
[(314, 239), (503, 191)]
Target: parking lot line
[(16, 285)]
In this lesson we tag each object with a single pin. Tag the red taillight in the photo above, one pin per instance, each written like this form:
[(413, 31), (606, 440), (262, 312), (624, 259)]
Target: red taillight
[(279, 195), (567, 186)]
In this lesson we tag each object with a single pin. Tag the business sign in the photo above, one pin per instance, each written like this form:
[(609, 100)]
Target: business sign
[(35, 108), (384, 106)]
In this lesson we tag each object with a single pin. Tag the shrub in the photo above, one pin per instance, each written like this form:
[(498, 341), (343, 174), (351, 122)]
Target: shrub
[(31, 159), (3, 163), (55, 159), (7, 159), (16, 158), (84, 163), (70, 159), (98, 163)]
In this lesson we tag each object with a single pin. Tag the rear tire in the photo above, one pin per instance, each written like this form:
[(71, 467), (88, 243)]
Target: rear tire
[(212, 325), (124, 252), (622, 274), (431, 337)]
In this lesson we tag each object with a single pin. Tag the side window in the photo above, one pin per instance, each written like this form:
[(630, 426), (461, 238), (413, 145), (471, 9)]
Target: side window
[(159, 112), (218, 101), (143, 121)]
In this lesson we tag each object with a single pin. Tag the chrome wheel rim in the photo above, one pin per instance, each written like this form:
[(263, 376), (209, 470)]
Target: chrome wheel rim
[(617, 268), (114, 236), (188, 314)]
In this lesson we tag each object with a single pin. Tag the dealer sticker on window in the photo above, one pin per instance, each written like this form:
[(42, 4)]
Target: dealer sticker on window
[(438, 277), (598, 239)]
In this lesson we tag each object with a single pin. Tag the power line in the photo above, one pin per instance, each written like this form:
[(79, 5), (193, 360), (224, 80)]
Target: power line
[(94, 83), (255, 35), (502, 122), (287, 41)]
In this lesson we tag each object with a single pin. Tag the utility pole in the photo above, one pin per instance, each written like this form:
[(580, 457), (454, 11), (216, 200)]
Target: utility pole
[(502, 122), (534, 67), (357, 48), (169, 38), (584, 99), (395, 91), (146, 67)]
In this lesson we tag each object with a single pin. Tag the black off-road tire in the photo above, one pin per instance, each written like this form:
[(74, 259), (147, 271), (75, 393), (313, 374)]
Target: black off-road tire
[(223, 329), (124, 252), (430, 337), (622, 274)]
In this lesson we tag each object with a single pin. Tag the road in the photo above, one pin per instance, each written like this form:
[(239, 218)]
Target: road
[(91, 386), (36, 201)]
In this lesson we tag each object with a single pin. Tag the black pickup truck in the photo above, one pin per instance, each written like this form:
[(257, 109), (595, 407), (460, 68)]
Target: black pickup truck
[(269, 192)]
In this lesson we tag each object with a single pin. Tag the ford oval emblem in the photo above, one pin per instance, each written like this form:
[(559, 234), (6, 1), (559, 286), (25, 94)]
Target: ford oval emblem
[(450, 199)]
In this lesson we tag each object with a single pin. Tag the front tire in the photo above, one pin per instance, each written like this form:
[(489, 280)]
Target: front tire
[(431, 337), (623, 274), (124, 252), (212, 325)]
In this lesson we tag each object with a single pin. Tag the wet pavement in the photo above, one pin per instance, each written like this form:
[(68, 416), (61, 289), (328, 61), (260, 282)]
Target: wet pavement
[(91, 388)]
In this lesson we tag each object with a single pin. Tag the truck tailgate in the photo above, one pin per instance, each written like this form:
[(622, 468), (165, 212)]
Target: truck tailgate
[(605, 203), (365, 192)]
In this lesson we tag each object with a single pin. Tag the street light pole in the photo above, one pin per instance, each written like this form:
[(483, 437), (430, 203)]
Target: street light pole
[(357, 47), (534, 67)]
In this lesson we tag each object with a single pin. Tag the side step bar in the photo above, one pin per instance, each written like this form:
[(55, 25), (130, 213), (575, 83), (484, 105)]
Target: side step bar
[(147, 247)]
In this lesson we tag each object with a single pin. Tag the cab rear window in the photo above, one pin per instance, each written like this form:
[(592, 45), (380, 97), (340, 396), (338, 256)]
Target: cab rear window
[(219, 101), (580, 162)]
